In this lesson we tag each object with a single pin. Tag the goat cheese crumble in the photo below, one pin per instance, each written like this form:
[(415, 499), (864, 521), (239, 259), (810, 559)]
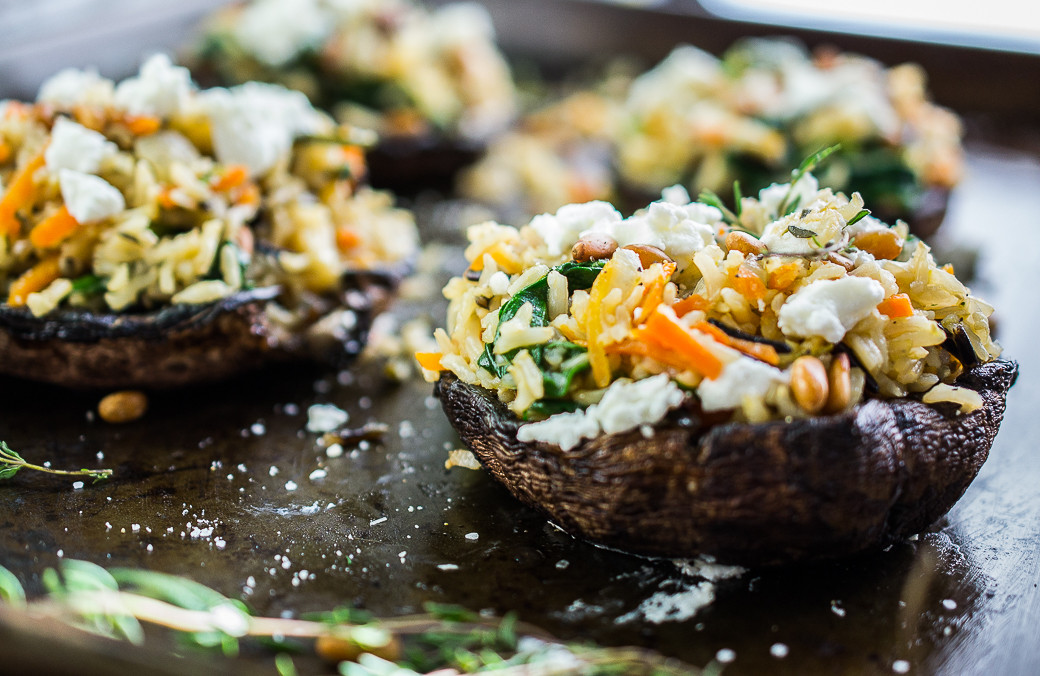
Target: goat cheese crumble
[(829, 307), (160, 88), (89, 198), (75, 147), (625, 405)]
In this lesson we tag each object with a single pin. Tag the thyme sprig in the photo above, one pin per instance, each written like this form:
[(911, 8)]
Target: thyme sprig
[(787, 206), (11, 463), (446, 639)]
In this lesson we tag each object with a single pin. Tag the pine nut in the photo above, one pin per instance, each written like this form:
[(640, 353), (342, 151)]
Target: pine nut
[(594, 246), (840, 379), (123, 406), (744, 243), (648, 255), (881, 244), (809, 383)]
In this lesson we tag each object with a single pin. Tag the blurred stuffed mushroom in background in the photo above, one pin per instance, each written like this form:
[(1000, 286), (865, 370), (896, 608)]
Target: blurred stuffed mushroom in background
[(154, 234), (431, 82)]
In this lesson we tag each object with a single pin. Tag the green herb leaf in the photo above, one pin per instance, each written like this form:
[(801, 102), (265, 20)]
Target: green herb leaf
[(801, 233), (88, 285), (11, 591), (711, 199), (858, 217), (808, 164)]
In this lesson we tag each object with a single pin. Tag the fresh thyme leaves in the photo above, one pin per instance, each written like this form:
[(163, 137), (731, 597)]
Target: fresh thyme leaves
[(445, 638), (711, 199), (808, 164), (858, 217), (801, 233), (11, 463)]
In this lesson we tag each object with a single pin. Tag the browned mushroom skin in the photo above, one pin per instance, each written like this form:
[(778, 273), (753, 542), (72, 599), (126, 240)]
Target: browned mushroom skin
[(754, 494), (409, 164), (185, 344)]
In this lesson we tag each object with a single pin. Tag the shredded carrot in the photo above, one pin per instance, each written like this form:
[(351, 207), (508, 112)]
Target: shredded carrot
[(431, 361), (748, 283), (346, 238), (653, 293), (948, 268), (667, 333), (651, 350), (142, 125), (896, 306), (248, 194), (54, 229), (881, 244), (166, 199), (19, 193), (5, 152), (689, 304), (506, 260), (354, 161), (759, 351), (34, 279), (784, 276), (234, 176)]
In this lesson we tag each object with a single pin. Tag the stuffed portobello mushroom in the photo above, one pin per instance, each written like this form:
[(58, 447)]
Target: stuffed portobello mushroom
[(154, 234), (432, 83), (748, 116), (791, 379)]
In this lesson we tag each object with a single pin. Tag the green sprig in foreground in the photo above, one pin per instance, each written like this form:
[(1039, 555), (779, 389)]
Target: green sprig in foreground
[(11, 463), (446, 639)]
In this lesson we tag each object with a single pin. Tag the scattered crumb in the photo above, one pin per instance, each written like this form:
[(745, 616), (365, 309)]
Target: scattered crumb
[(461, 458), (779, 650), (325, 418)]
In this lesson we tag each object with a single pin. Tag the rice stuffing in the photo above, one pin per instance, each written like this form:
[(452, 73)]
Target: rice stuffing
[(125, 197), (697, 306)]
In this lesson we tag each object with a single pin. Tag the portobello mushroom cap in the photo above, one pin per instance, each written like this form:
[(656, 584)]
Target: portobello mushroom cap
[(755, 494), (185, 344)]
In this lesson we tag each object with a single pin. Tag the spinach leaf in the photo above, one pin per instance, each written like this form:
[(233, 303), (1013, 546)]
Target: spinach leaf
[(543, 408)]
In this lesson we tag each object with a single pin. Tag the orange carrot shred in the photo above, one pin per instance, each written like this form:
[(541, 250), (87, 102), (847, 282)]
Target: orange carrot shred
[(665, 332), (234, 176), (760, 351), (5, 152), (19, 193), (54, 229), (689, 304), (431, 361), (896, 306), (346, 238), (748, 284), (34, 279), (143, 125), (784, 276)]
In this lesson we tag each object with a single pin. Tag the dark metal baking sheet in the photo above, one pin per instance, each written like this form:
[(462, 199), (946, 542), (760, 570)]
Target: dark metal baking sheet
[(202, 489)]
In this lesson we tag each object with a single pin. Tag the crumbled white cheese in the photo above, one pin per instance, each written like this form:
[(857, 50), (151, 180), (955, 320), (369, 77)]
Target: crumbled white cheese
[(275, 31), (75, 147), (823, 227), (625, 405), (161, 88), (71, 86), (667, 226), (829, 307), (255, 124), (676, 194), (459, 23), (325, 418), (499, 283), (89, 198), (561, 230), (742, 377)]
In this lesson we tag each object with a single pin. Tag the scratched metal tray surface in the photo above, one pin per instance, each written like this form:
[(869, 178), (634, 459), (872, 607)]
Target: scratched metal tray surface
[(224, 484)]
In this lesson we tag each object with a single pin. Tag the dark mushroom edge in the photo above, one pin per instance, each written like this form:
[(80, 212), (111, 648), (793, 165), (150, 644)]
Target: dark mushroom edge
[(179, 345), (753, 494)]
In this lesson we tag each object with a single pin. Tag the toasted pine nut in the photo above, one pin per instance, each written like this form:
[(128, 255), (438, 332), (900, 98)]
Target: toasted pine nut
[(744, 243), (881, 244), (648, 255), (123, 406), (593, 246), (839, 377), (809, 383)]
